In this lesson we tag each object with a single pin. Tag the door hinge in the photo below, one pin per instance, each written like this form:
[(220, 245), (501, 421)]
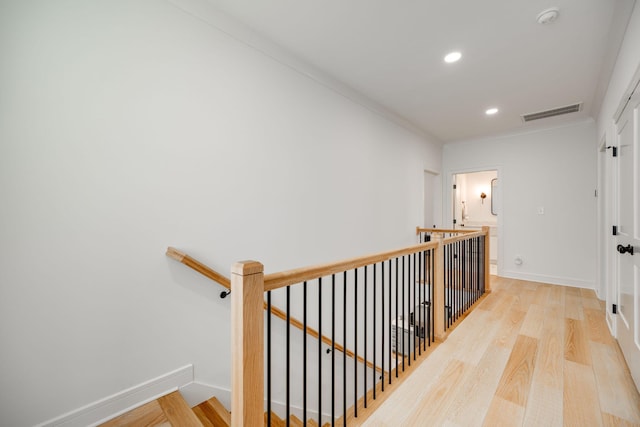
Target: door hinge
[(614, 150), (454, 186), (455, 221), (615, 230), (595, 193), (614, 308)]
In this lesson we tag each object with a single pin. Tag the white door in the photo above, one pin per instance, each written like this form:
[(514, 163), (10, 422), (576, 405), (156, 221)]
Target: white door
[(627, 239)]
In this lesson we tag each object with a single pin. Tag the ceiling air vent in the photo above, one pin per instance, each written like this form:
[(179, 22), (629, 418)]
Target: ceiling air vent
[(551, 113)]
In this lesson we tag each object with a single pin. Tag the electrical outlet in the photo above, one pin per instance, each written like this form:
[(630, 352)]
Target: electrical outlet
[(540, 210)]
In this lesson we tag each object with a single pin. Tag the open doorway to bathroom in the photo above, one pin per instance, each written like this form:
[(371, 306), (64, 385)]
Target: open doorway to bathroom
[(475, 204)]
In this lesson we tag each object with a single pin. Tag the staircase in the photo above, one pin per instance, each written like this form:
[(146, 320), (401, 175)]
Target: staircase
[(173, 411)]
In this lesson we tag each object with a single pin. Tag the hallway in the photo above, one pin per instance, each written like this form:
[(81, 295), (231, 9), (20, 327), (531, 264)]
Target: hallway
[(530, 354)]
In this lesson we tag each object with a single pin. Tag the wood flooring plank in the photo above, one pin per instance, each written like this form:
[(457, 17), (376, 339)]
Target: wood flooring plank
[(570, 290), (576, 348), (550, 357), (580, 397), (588, 294), (616, 394), (533, 321), (592, 303), (596, 326), (557, 296), (573, 307), (434, 406), (482, 329), (609, 420), (472, 401), (509, 328), (516, 379), (541, 295), (544, 407), (503, 413), (178, 413)]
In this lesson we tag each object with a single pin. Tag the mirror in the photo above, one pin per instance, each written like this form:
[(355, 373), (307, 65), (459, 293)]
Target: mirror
[(494, 185)]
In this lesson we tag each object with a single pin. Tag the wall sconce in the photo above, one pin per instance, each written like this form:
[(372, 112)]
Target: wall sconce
[(482, 197)]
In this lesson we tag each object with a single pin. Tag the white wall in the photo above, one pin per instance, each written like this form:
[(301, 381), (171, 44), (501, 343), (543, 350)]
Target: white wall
[(126, 127), (554, 169)]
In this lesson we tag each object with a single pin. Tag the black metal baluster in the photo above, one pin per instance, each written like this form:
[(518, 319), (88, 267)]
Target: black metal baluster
[(432, 267), (364, 367), (269, 358), (355, 343), (416, 327), (375, 350), (344, 353), (404, 317), (397, 326), (382, 323), (319, 352), (288, 357), (421, 289), (458, 280), (304, 350), (390, 326), (333, 349)]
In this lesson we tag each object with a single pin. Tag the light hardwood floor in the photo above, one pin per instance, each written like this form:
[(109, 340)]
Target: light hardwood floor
[(530, 354)]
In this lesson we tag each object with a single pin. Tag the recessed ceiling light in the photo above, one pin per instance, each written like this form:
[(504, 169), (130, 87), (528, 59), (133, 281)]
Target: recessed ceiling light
[(452, 57), (491, 111)]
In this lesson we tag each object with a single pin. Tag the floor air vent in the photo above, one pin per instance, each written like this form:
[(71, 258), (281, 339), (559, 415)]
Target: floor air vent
[(551, 113)]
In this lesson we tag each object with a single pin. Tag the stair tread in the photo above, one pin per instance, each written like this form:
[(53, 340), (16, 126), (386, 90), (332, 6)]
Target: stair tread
[(202, 416), (147, 415), (295, 421), (276, 421), (214, 412), (177, 411)]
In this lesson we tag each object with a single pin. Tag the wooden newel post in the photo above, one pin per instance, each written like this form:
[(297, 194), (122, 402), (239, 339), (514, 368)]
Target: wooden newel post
[(487, 259), (247, 344), (438, 289)]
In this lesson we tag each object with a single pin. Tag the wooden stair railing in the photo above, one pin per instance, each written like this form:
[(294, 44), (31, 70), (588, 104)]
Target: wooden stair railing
[(248, 280), (226, 283)]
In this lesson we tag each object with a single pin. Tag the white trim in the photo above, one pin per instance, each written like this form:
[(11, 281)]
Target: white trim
[(517, 132), (552, 280), (119, 403), (195, 393)]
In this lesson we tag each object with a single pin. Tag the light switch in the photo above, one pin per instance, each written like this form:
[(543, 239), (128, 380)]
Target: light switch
[(540, 210)]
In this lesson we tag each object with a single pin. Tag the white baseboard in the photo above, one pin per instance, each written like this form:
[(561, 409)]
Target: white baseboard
[(195, 393), (552, 280), (110, 407)]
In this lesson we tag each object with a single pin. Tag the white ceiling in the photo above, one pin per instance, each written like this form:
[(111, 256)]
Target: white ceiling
[(392, 53)]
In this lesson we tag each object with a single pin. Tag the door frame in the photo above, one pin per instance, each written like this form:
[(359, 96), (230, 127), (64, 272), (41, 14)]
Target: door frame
[(447, 201), (607, 262)]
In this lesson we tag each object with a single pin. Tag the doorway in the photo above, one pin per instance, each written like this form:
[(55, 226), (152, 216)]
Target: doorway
[(475, 202)]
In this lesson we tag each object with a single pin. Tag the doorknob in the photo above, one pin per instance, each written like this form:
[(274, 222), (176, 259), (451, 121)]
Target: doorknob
[(623, 249)]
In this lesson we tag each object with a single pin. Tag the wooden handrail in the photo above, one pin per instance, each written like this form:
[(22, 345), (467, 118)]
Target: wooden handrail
[(198, 266), (442, 230), (226, 282), (467, 236), (285, 278)]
